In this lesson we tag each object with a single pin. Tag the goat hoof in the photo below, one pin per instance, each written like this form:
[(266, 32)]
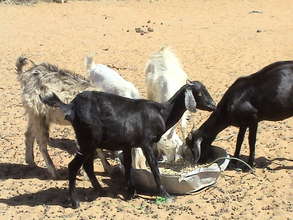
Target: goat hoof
[(131, 194), (75, 204)]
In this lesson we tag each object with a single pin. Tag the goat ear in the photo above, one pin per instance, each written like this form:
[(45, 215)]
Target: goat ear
[(190, 102)]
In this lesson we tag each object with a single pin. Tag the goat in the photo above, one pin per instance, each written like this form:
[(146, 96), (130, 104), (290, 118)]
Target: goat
[(264, 95), (113, 122), (35, 81), (164, 77), (111, 81)]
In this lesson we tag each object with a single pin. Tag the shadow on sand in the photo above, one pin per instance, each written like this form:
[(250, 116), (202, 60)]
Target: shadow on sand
[(263, 162), (56, 196), (22, 171), (64, 144)]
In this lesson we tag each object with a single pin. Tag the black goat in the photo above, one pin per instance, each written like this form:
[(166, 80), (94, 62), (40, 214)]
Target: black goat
[(264, 95), (113, 122)]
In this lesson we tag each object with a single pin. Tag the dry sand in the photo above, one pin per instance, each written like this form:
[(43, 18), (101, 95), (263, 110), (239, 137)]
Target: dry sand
[(217, 41)]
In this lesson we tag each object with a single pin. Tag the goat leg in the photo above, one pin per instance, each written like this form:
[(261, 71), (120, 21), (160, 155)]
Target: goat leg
[(73, 167), (42, 136), (49, 163), (88, 166), (239, 142), (252, 140), (127, 165), (149, 155), (29, 144), (107, 167)]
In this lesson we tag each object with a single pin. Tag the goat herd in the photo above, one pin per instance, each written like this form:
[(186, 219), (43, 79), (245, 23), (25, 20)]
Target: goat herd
[(106, 112)]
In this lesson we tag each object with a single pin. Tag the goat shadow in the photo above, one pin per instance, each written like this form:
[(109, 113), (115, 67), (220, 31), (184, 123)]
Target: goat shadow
[(64, 144), (59, 196), (55, 196), (23, 171), (263, 162)]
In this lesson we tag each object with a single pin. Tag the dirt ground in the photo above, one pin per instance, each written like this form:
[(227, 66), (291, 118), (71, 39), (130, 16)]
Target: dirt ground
[(217, 41)]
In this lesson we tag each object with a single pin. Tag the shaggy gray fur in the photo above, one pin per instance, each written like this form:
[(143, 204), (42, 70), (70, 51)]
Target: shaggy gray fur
[(42, 79)]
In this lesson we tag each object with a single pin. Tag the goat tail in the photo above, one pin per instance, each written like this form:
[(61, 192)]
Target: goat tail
[(21, 62), (89, 62)]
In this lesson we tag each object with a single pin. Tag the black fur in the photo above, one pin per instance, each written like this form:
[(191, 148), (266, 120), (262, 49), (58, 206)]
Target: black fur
[(264, 95), (113, 122)]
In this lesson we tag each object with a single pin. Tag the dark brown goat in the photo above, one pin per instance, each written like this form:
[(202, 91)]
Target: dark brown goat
[(264, 95), (103, 120)]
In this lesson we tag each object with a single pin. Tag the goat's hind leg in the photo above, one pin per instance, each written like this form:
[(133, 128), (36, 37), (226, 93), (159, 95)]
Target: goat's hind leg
[(42, 136), (73, 168), (127, 161), (29, 142), (252, 141)]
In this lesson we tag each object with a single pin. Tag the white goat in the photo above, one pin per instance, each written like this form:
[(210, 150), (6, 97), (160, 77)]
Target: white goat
[(164, 77), (111, 81)]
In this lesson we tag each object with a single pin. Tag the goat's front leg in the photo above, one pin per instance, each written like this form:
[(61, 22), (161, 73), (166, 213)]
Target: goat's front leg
[(239, 142), (127, 160), (252, 141), (149, 155), (240, 138), (73, 167)]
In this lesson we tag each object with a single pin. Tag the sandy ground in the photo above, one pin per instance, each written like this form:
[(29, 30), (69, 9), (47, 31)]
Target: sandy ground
[(217, 41)]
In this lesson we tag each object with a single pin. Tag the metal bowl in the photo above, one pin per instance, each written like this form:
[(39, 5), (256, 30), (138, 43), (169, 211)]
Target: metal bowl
[(186, 183)]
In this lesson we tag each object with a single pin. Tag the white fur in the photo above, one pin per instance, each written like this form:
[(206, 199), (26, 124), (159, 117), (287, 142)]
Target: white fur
[(111, 81), (164, 77)]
